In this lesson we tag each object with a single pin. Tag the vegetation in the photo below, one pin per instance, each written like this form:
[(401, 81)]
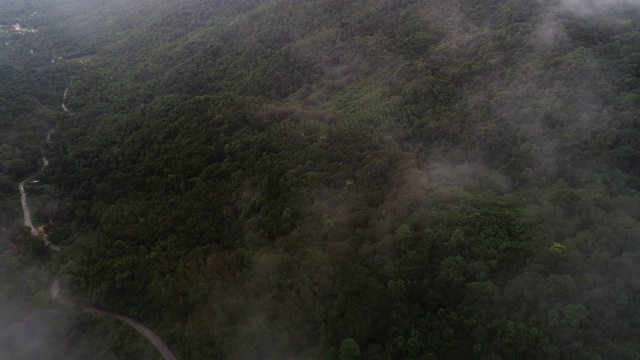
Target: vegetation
[(34, 326), (341, 180)]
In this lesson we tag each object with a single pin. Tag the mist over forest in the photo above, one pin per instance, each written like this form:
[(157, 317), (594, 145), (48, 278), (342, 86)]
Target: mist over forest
[(321, 179)]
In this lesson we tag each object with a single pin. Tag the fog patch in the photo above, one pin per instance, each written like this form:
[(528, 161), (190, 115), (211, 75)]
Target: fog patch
[(549, 34), (596, 7), (31, 334)]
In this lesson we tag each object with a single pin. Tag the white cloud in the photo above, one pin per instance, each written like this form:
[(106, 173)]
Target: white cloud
[(590, 7)]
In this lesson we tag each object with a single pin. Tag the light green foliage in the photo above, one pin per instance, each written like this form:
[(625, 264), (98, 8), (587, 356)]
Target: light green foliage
[(559, 248), (349, 349)]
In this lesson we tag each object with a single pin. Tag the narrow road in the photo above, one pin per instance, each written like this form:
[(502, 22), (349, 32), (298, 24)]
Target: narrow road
[(154, 339), (54, 290), (25, 210), (145, 331), (27, 219), (64, 107)]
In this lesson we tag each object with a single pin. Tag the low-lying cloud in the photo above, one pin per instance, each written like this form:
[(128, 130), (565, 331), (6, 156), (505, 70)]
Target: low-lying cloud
[(592, 7)]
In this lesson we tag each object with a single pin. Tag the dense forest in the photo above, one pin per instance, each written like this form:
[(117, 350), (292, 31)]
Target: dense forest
[(323, 179), (32, 326)]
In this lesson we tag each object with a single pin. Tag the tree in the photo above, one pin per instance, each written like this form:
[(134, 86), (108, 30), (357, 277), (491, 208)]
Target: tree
[(349, 349)]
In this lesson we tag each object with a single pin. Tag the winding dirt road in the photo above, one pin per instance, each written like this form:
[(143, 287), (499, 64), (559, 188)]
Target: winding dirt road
[(162, 348), (27, 219), (54, 291), (25, 210), (154, 339)]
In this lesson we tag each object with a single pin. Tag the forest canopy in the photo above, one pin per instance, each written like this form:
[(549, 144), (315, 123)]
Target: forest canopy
[(327, 179)]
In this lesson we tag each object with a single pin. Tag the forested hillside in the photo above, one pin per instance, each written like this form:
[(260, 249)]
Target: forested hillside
[(322, 179), (32, 83)]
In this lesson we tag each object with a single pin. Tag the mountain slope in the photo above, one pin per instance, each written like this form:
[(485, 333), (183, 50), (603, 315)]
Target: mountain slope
[(271, 179)]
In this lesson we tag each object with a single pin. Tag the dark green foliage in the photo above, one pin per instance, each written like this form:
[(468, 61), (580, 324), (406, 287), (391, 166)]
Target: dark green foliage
[(333, 179)]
